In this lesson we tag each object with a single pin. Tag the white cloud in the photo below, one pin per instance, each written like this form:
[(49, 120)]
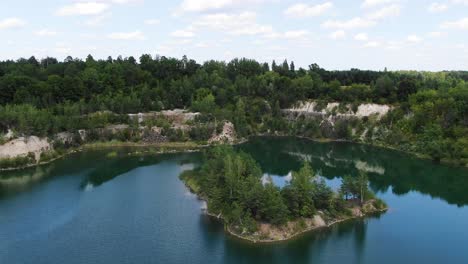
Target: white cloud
[(373, 3), (214, 5), (152, 21), (414, 39), (97, 20), (437, 7), (300, 35), (369, 20), (182, 42), (458, 24), (306, 10), (12, 22), (361, 37), (258, 42), (372, 44), (436, 34), (353, 23), (244, 23), (183, 34), (135, 35), (202, 45), (388, 11), (296, 34), (83, 8), (340, 34), (122, 1), (204, 5), (394, 45), (463, 2), (45, 33)]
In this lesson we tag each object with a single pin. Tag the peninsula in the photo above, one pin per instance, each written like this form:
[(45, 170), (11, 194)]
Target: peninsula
[(229, 182)]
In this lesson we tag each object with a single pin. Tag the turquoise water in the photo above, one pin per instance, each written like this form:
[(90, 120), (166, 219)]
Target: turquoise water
[(89, 208)]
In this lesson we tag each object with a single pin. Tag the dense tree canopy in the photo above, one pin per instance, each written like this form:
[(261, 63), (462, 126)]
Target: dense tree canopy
[(230, 182), (47, 96)]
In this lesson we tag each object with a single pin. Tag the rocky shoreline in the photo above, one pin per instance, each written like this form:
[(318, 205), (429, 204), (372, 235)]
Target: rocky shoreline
[(312, 224)]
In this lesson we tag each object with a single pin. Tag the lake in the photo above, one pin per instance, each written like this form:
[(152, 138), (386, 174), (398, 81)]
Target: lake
[(92, 207)]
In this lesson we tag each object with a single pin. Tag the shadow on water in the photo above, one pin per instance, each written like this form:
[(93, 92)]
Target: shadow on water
[(16, 181), (125, 161), (386, 168), (101, 167), (277, 156)]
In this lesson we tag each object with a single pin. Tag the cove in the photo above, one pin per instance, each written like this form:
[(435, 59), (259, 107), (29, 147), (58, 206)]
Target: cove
[(94, 208)]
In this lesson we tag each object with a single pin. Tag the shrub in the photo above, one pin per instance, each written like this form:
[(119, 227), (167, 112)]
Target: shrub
[(17, 162)]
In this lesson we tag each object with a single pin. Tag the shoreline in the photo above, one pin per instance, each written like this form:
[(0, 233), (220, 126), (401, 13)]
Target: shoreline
[(297, 234), (165, 147), (291, 236), (418, 155), (191, 146)]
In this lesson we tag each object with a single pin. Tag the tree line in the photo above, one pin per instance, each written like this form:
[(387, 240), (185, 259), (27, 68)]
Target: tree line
[(48, 96)]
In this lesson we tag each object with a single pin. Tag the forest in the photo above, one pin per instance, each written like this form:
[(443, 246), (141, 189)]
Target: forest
[(48, 96)]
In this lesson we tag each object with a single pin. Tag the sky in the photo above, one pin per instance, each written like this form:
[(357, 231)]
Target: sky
[(336, 34)]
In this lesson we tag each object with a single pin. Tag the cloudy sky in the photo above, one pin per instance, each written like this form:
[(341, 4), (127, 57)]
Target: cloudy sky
[(336, 34)]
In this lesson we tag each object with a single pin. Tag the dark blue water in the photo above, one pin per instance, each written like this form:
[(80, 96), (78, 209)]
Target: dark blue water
[(89, 208)]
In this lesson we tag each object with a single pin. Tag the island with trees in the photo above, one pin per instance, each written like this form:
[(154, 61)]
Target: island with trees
[(230, 183)]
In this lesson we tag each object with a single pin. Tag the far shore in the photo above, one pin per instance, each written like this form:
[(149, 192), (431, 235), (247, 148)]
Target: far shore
[(191, 146), (163, 147)]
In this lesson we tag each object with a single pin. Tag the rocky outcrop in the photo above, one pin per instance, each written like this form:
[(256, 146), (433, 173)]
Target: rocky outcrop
[(228, 135), (176, 116), (334, 119), (335, 109), (9, 135), (64, 137), (177, 120), (153, 135), (22, 146)]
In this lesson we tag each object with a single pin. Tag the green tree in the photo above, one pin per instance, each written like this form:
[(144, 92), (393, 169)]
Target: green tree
[(300, 192)]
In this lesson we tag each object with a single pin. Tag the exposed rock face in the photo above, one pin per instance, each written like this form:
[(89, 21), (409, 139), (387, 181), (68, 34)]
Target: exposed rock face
[(83, 133), (363, 110), (333, 118), (9, 135), (327, 127), (153, 135), (372, 109), (64, 137), (318, 221), (116, 128), (176, 116), (228, 135), (22, 146)]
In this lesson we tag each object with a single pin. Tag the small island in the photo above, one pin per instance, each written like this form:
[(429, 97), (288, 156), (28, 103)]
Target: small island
[(260, 212)]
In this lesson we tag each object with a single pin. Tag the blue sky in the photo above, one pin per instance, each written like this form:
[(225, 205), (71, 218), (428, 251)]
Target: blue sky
[(336, 34)]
